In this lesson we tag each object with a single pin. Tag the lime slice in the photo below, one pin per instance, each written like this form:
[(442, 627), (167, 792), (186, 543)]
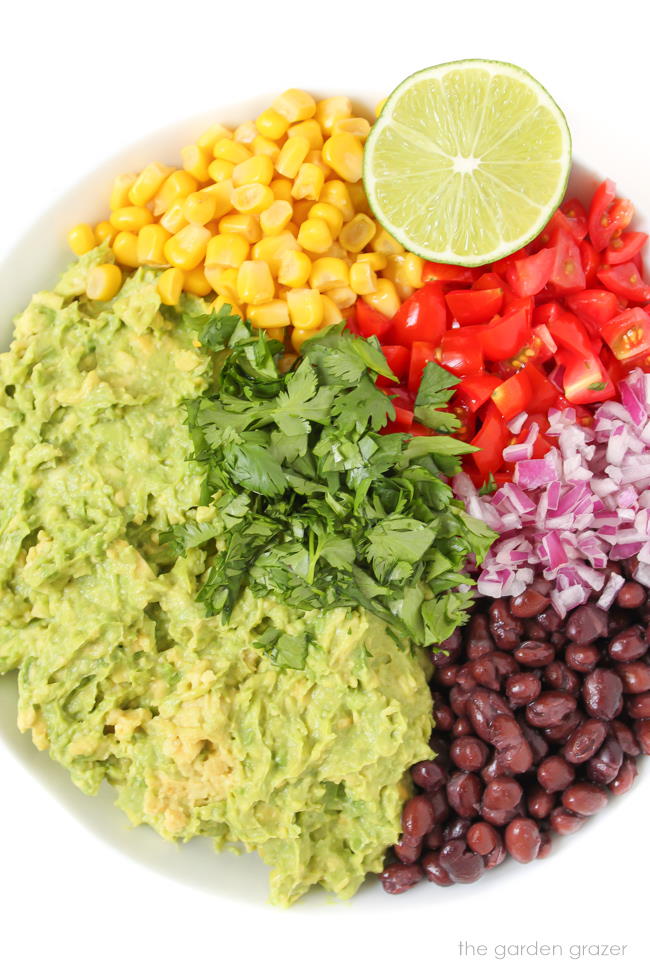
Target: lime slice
[(467, 161)]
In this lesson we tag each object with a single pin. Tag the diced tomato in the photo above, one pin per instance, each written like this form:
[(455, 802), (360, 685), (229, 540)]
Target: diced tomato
[(370, 321), (628, 334), (419, 430), (491, 440), (570, 334), (504, 337), (585, 378), (590, 259), (397, 357), (528, 275), (567, 274), (624, 248), (609, 215), (467, 418), (489, 281), (625, 280), (501, 267), (594, 306), (558, 222), (576, 216), (450, 273), (542, 314), (460, 352), (474, 307), (422, 317), (476, 390), (402, 423), (401, 397), (513, 396), (421, 353)]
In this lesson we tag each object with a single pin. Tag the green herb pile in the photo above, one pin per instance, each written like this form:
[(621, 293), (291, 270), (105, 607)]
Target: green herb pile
[(316, 507)]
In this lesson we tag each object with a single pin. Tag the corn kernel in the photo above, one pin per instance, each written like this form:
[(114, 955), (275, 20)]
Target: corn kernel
[(376, 261), (220, 169), (308, 183), (403, 271), (315, 156), (131, 218), (220, 301), (336, 192), (200, 208), (311, 130), (330, 110), (120, 192), (230, 150), (344, 154), (245, 133), (196, 161), (292, 155), (227, 250), (294, 269), (170, 285), (295, 105), (331, 312), (245, 225), (305, 308), (251, 198), (329, 272), (221, 194), (254, 282), (356, 234), (173, 219), (282, 189), (359, 127), (315, 235), (343, 297), (385, 299), (196, 283), (81, 239), (151, 245), (339, 252), (257, 169), (363, 279), (379, 107), (300, 335), (359, 199), (271, 124), (277, 334), (413, 269), (125, 248), (275, 219), (104, 281), (148, 183), (208, 138), (178, 184), (104, 232), (223, 281), (271, 249), (330, 214), (187, 248), (262, 146), (269, 314)]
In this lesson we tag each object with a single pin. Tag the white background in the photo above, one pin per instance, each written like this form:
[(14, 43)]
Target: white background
[(78, 82)]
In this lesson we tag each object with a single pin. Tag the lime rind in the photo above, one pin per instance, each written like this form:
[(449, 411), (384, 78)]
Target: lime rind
[(512, 138)]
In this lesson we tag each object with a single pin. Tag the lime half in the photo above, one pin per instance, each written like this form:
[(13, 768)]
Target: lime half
[(467, 161)]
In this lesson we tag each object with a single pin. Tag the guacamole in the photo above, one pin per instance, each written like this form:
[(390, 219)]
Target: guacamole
[(121, 674)]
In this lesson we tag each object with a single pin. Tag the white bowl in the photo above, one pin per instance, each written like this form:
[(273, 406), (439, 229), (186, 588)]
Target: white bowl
[(34, 264)]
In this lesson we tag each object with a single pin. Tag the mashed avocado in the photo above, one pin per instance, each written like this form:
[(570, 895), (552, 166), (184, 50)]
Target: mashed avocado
[(121, 675)]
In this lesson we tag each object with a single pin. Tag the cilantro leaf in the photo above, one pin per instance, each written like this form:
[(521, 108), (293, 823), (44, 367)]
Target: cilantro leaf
[(436, 389)]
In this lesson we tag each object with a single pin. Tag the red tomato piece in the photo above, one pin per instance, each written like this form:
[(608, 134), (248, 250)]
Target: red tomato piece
[(585, 378), (474, 307), (401, 397), (501, 266), (628, 334), (467, 427), (488, 281), (576, 216), (449, 273), (474, 391), (504, 337), (513, 396), (624, 248), (397, 357), (371, 322), (608, 215), (401, 424), (542, 314), (422, 317), (528, 275), (491, 440), (543, 394), (460, 352), (421, 353), (625, 280), (590, 259), (557, 223), (593, 306), (570, 334), (567, 274)]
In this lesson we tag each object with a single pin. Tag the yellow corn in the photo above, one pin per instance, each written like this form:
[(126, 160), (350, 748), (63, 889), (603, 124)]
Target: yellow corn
[(315, 156), (294, 269), (379, 107), (187, 248), (359, 127), (170, 285), (330, 110), (262, 146), (315, 235), (331, 312), (295, 105), (208, 138), (81, 239), (358, 197), (220, 169), (245, 133), (300, 335), (196, 161), (104, 232), (413, 269), (148, 183), (308, 183), (254, 282), (343, 297), (385, 299), (311, 130), (104, 281), (275, 219), (230, 150), (376, 261), (245, 225), (405, 271), (173, 219), (196, 283), (384, 243), (221, 193), (227, 250), (269, 314), (337, 251), (363, 279), (220, 301), (277, 334), (336, 192), (251, 198), (271, 124), (344, 154), (257, 169), (305, 308), (125, 248), (131, 218), (329, 272), (120, 192), (151, 245), (356, 234), (292, 155), (281, 189), (223, 281), (330, 214), (179, 184), (200, 208), (271, 249)]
